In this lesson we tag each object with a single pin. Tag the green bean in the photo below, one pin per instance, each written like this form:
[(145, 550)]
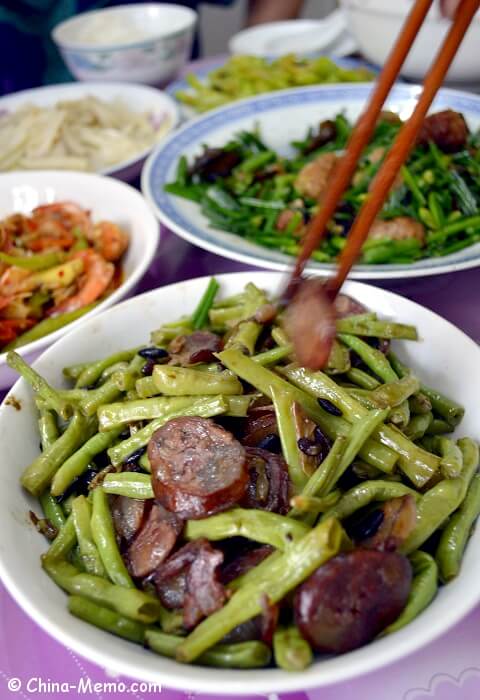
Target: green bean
[(114, 415), (455, 535), (291, 651), (415, 462), (373, 358), (47, 326), (74, 371), (129, 602), (39, 385), (283, 574), (451, 411), (130, 484), (201, 407), (106, 393), (284, 413), (252, 654), (376, 329), (146, 387), (200, 315), (63, 543), (93, 372), (257, 525), (104, 538), (81, 514), (451, 463), (365, 493), (313, 504), (420, 404), (244, 336), (106, 619), (438, 426), (39, 474), (254, 299), (439, 502), (422, 592), (78, 462), (52, 510), (271, 357), (265, 380), (280, 337), (184, 381), (393, 394), (339, 359), (418, 425), (362, 379), (171, 621), (48, 428)]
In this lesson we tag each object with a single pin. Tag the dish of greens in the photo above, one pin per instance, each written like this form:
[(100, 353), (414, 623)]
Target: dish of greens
[(245, 76), (433, 210), (208, 498)]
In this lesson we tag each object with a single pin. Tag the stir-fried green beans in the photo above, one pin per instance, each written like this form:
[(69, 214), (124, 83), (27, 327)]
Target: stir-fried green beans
[(269, 199), (348, 447)]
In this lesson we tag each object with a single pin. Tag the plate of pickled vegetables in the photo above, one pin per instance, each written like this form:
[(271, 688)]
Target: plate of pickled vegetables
[(70, 244), (204, 512), (245, 181)]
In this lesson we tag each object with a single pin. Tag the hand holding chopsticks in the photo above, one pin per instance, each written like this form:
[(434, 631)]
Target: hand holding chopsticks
[(311, 315)]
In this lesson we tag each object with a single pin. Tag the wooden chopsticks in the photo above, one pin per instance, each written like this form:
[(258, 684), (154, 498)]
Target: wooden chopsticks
[(397, 154)]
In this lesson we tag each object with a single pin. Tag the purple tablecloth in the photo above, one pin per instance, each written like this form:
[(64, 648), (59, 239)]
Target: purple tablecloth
[(34, 665)]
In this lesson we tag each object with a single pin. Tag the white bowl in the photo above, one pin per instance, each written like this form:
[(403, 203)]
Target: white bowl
[(129, 324), (106, 199), (375, 24), (304, 37), (163, 111), (145, 43)]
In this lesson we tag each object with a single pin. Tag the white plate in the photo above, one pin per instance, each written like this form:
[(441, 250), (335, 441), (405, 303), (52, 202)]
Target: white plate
[(129, 324), (107, 199), (139, 98), (284, 117)]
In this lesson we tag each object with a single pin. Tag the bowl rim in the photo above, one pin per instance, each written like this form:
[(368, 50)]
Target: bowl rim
[(226, 683), (148, 253), (393, 10), (170, 106), (190, 14)]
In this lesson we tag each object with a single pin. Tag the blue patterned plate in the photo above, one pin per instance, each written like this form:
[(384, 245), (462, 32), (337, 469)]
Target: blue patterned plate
[(283, 117)]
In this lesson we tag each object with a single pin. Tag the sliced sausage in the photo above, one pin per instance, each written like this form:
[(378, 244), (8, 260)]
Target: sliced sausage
[(189, 580), (244, 562), (269, 483), (398, 229), (397, 523), (198, 468), (195, 347), (154, 542), (310, 322), (313, 179), (447, 129), (260, 423), (347, 306), (349, 600), (127, 514), (327, 132)]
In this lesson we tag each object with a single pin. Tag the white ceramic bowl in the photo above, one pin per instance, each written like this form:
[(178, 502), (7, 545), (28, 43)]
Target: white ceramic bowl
[(163, 111), (106, 199), (129, 324), (142, 43), (375, 24)]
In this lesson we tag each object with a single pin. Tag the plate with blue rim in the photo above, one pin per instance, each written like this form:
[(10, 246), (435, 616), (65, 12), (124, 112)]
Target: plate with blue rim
[(283, 117)]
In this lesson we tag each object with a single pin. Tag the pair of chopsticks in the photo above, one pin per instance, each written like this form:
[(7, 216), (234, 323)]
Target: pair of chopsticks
[(397, 155)]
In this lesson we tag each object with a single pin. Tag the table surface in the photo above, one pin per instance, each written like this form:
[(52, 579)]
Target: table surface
[(447, 669)]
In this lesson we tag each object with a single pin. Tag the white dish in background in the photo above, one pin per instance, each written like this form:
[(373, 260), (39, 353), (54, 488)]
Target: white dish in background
[(375, 24), (130, 324), (304, 37), (141, 43), (106, 198), (139, 98), (283, 117)]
